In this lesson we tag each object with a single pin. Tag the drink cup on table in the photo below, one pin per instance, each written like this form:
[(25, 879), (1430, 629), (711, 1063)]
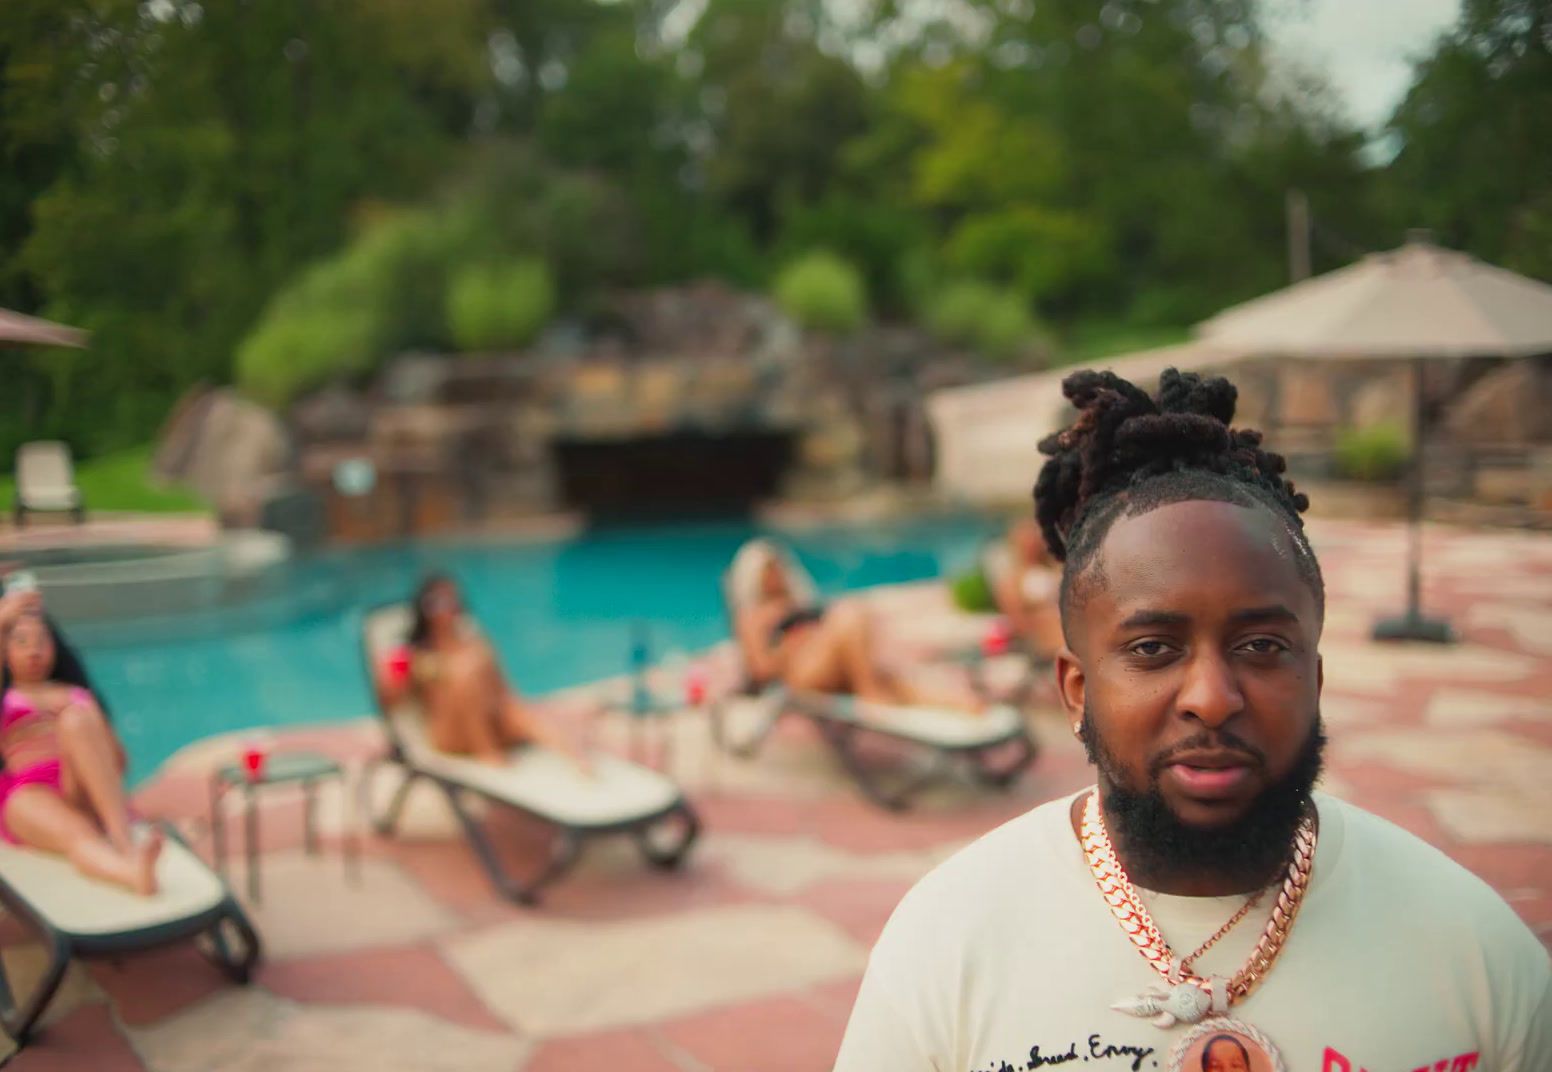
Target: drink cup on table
[(998, 638), (695, 682), (255, 753)]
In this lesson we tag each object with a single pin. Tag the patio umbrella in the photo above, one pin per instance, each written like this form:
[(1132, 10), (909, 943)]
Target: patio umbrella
[(986, 435), (19, 330), (1419, 302)]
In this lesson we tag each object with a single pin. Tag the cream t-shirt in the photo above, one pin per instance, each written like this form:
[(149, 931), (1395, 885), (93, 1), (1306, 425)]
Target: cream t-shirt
[(1005, 958)]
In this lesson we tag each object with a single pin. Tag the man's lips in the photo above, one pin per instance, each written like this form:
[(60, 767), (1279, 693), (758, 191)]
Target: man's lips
[(1212, 759), (1210, 774)]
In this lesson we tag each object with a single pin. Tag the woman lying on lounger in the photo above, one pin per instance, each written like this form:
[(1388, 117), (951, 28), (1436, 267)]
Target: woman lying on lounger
[(788, 636), (1026, 590), (450, 667), (61, 789)]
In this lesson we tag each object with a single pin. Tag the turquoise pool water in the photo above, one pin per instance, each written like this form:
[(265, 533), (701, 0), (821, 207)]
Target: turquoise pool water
[(560, 611)]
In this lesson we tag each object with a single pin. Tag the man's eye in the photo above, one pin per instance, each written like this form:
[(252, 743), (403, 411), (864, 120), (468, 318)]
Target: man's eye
[(1149, 649), (1265, 646)]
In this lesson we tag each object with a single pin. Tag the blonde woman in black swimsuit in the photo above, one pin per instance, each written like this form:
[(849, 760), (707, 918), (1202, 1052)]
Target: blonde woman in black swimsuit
[(793, 639)]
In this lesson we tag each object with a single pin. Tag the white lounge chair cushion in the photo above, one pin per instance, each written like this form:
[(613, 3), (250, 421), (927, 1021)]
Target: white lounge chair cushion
[(937, 726), (79, 905), (45, 478), (50, 498), (547, 783)]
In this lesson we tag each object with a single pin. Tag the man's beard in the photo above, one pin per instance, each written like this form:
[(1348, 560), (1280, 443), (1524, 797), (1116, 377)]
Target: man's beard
[(1157, 845)]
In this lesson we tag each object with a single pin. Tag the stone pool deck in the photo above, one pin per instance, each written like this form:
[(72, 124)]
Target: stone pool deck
[(747, 960)]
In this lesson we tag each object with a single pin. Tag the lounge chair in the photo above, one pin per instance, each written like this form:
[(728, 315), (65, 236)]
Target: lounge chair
[(80, 917), (995, 746), (45, 481), (617, 798)]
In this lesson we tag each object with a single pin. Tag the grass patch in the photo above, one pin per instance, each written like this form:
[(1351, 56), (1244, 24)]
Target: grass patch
[(1093, 341), (120, 481)]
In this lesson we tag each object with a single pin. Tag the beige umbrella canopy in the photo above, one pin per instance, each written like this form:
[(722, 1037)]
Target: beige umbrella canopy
[(1419, 302), (19, 330)]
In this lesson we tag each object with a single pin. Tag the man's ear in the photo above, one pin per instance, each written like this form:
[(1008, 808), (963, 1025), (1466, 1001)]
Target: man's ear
[(1071, 685)]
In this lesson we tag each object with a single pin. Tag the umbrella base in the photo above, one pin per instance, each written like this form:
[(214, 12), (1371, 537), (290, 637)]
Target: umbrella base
[(1414, 626)]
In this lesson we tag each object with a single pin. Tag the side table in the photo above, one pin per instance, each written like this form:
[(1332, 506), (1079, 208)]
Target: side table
[(280, 768), (640, 712)]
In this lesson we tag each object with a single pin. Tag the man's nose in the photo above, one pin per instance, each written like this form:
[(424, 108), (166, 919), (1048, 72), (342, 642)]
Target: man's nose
[(1210, 692)]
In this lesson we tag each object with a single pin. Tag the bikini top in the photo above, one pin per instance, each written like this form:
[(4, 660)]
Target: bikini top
[(16, 705), (798, 616), (405, 664)]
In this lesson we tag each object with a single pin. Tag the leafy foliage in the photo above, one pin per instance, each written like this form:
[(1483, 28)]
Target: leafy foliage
[(994, 320), (500, 305), (971, 593), (184, 160), (1474, 160), (1378, 453), (327, 324), (823, 293), (382, 294), (219, 191)]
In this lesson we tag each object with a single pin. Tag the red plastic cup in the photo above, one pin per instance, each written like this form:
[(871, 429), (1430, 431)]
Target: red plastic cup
[(399, 667), (695, 686), (998, 638), (253, 761)]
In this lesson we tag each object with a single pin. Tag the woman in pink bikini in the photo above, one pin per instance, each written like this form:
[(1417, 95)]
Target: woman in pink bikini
[(61, 789)]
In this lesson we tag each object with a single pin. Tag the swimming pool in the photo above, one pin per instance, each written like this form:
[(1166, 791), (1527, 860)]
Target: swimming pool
[(561, 612)]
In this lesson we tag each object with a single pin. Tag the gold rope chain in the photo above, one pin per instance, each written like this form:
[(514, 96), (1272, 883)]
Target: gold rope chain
[(1126, 905)]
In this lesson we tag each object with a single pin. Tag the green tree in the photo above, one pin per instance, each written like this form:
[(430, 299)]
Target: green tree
[(191, 179), (993, 320), (775, 108), (1103, 161), (214, 148), (1474, 134)]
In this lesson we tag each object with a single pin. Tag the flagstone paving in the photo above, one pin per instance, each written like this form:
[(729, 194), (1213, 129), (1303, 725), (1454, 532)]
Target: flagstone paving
[(748, 959)]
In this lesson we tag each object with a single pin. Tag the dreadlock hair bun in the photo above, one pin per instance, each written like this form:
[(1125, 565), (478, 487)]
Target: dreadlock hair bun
[(1128, 453)]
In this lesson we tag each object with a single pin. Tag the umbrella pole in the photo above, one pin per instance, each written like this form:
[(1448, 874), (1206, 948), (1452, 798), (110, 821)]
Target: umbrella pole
[(1413, 625)]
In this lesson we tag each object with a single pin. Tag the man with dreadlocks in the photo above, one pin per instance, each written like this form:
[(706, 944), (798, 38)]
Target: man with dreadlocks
[(1201, 907)]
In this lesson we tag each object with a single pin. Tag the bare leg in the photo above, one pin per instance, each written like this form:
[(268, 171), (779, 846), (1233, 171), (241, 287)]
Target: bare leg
[(521, 723), (838, 656), (39, 817), (478, 714), (90, 770), (512, 722)]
